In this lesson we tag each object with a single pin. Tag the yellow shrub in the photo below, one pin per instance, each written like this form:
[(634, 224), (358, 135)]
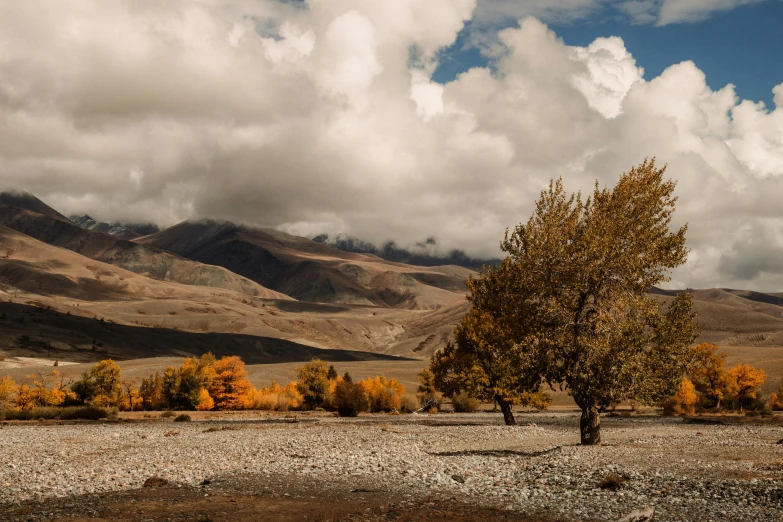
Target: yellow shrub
[(383, 395), (776, 399), (7, 393), (686, 396), (277, 398), (205, 401)]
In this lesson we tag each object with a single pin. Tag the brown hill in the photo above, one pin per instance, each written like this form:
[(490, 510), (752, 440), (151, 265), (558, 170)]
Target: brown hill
[(310, 271), (141, 259), (56, 279), (27, 201)]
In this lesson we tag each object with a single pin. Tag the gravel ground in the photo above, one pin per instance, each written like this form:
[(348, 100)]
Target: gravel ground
[(685, 471)]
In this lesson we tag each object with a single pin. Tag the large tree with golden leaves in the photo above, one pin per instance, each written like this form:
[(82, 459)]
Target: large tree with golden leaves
[(576, 302)]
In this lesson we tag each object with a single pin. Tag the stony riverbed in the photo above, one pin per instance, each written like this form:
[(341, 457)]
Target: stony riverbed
[(685, 471)]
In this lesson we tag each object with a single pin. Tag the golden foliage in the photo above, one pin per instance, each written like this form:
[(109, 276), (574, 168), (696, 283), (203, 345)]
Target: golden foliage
[(314, 384), (230, 388), (278, 398), (686, 396), (743, 382), (205, 401), (776, 399), (708, 374), (570, 304), (383, 395), (100, 385), (46, 390), (7, 393)]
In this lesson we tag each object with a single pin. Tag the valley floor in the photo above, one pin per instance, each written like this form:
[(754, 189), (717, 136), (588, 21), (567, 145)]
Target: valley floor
[(314, 466)]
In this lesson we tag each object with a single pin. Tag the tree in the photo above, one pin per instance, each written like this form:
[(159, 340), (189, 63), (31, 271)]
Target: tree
[(7, 392), (230, 387), (131, 399), (100, 384), (686, 395), (205, 401), (193, 376), (575, 299), (313, 383), (775, 399), (743, 384), (350, 397), (170, 387), (332, 373), (151, 392), (708, 374), (382, 394), (427, 391), (485, 362)]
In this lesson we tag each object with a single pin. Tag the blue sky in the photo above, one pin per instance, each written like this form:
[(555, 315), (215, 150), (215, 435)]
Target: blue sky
[(742, 46)]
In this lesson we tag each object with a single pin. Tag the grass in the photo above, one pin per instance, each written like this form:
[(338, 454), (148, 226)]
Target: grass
[(67, 413)]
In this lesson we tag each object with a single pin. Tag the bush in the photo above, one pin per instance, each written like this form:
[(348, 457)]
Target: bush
[(671, 406), (383, 395), (351, 399), (167, 414), (410, 403), (184, 417), (464, 403), (314, 383), (68, 413), (278, 398)]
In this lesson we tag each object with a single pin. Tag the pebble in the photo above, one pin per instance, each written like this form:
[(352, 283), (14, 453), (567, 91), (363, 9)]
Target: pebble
[(723, 474)]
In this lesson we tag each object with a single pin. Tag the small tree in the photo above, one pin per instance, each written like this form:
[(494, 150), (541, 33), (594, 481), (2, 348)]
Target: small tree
[(151, 392), (131, 399), (686, 396), (775, 399), (708, 374), (205, 401), (7, 392), (382, 394), (332, 373), (230, 387), (743, 384), (575, 302), (427, 392), (100, 384), (485, 362), (350, 397), (314, 383)]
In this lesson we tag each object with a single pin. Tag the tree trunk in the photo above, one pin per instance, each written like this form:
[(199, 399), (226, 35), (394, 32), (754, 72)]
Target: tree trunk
[(505, 407), (590, 426)]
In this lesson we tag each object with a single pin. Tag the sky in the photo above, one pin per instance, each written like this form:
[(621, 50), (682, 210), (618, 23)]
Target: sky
[(401, 120)]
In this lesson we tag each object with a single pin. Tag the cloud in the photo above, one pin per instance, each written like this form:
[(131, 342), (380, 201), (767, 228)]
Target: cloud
[(678, 11), (317, 119), (493, 14)]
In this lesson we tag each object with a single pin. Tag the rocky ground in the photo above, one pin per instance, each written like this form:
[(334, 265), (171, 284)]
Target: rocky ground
[(411, 467)]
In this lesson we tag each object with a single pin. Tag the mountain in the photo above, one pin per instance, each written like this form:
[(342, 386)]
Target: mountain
[(131, 256), (310, 271), (422, 254), (117, 229), (61, 301), (29, 202), (261, 293)]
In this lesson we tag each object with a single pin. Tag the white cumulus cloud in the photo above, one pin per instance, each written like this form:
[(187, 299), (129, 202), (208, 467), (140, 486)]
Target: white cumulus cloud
[(324, 118)]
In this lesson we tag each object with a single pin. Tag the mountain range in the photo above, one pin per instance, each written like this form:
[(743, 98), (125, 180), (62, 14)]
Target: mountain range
[(80, 290)]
